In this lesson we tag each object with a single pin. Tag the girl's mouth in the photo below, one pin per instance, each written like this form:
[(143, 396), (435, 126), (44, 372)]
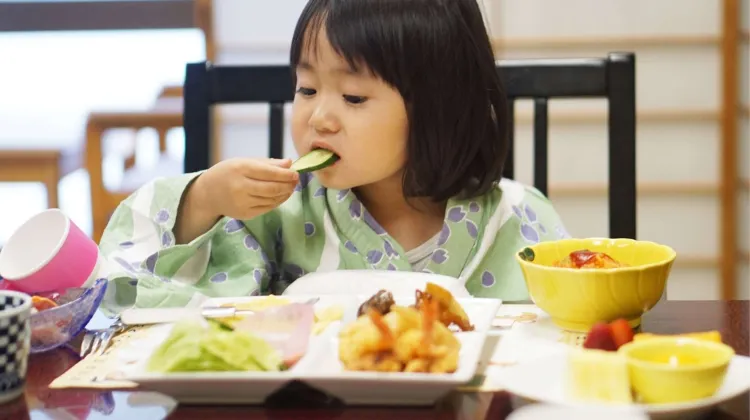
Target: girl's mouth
[(316, 159)]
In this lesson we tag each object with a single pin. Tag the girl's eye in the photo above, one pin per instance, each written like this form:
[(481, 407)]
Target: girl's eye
[(355, 100), (306, 91)]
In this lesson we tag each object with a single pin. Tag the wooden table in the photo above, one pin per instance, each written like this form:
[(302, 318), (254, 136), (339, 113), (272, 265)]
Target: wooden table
[(731, 318)]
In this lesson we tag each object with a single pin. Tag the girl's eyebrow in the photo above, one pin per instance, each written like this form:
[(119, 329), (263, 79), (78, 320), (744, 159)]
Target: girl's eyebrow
[(304, 65)]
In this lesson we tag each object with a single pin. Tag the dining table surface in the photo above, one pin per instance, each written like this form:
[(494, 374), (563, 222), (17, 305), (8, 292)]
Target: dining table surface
[(731, 318)]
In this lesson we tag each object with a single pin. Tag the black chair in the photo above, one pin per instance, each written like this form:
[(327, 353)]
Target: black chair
[(612, 78)]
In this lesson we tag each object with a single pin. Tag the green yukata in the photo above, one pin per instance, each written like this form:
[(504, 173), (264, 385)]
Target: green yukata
[(317, 229)]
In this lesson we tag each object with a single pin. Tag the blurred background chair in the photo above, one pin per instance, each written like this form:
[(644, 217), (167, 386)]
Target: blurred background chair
[(166, 114), (45, 164)]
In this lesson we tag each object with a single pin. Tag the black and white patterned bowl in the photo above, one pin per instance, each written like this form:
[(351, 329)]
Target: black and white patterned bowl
[(15, 343)]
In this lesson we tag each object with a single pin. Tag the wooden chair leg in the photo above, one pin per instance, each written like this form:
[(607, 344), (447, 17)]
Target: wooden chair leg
[(130, 160), (162, 140), (99, 199), (52, 194), (99, 223), (51, 184)]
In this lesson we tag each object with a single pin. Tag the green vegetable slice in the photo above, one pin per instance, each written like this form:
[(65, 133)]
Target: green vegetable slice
[(315, 160)]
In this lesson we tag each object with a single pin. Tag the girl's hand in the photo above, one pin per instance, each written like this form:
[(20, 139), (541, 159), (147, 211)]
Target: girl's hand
[(245, 188)]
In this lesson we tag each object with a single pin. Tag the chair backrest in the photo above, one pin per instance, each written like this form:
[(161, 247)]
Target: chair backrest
[(207, 85), (612, 78)]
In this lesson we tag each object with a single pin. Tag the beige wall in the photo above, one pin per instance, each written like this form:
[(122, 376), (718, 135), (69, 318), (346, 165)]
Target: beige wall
[(678, 102)]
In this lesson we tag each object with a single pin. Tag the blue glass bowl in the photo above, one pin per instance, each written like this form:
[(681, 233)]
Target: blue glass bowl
[(54, 327)]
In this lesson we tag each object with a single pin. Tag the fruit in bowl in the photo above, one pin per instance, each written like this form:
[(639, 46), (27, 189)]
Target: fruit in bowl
[(580, 282), (59, 316), (609, 337)]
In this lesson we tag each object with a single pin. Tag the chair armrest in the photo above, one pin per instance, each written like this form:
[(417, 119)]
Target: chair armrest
[(161, 118)]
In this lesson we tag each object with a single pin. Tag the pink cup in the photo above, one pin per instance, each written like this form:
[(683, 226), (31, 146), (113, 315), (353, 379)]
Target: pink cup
[(49, 252)]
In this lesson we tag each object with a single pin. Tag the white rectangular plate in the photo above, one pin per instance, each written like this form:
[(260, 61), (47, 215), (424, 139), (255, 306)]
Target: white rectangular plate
[(327, 374), (320, 367), (201, 387), (220, 387)]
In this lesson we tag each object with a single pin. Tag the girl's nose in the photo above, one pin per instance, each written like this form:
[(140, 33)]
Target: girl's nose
[(323, 119)]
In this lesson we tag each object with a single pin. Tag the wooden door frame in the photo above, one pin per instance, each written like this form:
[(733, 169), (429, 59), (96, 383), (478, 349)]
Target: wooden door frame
[(730, 104)]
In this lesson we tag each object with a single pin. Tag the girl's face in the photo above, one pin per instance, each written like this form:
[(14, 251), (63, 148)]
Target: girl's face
[(354, 114)]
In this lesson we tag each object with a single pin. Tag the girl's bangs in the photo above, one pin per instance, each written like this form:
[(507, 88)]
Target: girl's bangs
[(358, 31)]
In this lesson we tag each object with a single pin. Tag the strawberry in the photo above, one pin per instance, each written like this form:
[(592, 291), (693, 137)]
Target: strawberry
[(621, 332), (600, 337)]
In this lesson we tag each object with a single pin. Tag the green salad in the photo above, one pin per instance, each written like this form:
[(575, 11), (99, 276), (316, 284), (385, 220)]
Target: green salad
[(196, 347)]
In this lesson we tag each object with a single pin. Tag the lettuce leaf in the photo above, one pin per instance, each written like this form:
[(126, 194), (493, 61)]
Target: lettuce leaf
[(204, 347)]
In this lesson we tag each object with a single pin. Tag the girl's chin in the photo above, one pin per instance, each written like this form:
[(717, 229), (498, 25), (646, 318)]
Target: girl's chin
[(333, 180), (334, 184)]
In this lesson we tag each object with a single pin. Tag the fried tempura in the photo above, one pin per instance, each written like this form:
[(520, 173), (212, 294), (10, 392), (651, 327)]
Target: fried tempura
[(406, 339)]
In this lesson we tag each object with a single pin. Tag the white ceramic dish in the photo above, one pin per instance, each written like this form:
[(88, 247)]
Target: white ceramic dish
[(543, 380), (369, 282), (220, 387), (550, 411), (327, 374), (321, 302), (319, 368)]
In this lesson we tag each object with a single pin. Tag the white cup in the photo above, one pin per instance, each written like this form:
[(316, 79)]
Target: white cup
[(48, 253)]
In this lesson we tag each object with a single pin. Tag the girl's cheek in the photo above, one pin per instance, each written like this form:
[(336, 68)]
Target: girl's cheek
[(299, 117)]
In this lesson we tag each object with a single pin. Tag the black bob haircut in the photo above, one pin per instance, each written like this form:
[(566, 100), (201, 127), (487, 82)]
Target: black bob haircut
[(437, 54)]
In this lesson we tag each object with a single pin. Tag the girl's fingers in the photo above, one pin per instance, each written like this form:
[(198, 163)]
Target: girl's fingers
[(262, 202), (268, 189), (269, 170)]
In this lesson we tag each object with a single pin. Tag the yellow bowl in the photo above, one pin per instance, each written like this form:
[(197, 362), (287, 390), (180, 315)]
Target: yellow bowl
[(671, 370), (576, 299)]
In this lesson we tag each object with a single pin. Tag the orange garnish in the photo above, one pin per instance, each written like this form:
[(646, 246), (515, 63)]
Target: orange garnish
[(42, 303)]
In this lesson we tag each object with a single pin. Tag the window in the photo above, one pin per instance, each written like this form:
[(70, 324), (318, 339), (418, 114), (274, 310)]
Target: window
[(69, 15)]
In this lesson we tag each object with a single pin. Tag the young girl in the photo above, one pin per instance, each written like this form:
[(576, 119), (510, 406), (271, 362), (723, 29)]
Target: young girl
[(406, 93)]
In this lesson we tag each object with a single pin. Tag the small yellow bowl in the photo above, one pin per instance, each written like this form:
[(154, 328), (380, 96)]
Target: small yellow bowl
[(576, 299), (671, 370)]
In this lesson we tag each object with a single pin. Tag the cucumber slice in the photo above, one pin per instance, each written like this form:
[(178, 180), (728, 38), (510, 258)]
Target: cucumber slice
[(315, 160)]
